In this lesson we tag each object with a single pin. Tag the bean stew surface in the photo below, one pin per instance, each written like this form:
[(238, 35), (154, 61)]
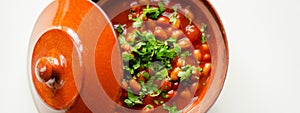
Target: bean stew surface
[(166, 58)]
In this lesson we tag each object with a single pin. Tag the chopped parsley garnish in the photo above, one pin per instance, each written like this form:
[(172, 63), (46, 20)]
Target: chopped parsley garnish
[(148, 49), (149, 106), (121, 39), (203, 30), (149, 60), (186, 72), (161, 7), (171, 109), (132, 99), (173, 18), (127, 56), (119, 28), (156, 102), (154, 12), (164, 94), (185, 54), (138, 22)]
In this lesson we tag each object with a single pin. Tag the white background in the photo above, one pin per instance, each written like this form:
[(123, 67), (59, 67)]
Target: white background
[(263, 35)]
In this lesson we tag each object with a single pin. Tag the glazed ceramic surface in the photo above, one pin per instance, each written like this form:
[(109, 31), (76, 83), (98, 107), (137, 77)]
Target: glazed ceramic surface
[(74, 59)]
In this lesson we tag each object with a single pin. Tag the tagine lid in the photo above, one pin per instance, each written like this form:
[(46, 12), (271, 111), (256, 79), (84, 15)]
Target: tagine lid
[(62, 50)]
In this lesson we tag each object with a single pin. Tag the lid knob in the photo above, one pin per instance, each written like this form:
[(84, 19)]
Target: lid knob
[(50, 69)]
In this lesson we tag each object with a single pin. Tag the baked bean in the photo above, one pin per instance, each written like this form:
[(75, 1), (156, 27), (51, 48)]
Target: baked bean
[(169, 30), (186, 94), (163, 19), (160, 32), (175, 86), (174, 74), (206, 57), (150, 24), (135, 7), (204, 48), (180, 62), (144, 1), (135, 86), (192, 33), (206, 69), (184, 43), (197, 54), (194, 87), (124, 84), (176, 34), (141, 77), (177, 24), (166, 85)]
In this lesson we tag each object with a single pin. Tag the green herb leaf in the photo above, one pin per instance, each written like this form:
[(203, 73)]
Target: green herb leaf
[(185, 54), (138, 22), (156, 102), (132, 99), (173, 18), (119, 28), (171, 40), (164, 94), (154, 12), (177, 48), (149, 106), (186, 72), (203, 30), (171, 109), (161, 6), (121, 39), (127, 56)]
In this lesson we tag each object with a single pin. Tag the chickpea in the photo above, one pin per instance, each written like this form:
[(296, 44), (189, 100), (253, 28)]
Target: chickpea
[(184, 43), (161, 33), (206, 57), (206, 69), (186, 94), (135, 86), (174, 74), (176, 34), (197, 54), (163, 19)]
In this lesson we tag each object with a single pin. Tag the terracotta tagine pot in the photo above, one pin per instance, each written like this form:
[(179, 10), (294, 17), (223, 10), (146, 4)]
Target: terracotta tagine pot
[(74, 60)]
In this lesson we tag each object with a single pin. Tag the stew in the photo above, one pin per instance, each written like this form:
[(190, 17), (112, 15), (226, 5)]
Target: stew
[(166, 58)]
